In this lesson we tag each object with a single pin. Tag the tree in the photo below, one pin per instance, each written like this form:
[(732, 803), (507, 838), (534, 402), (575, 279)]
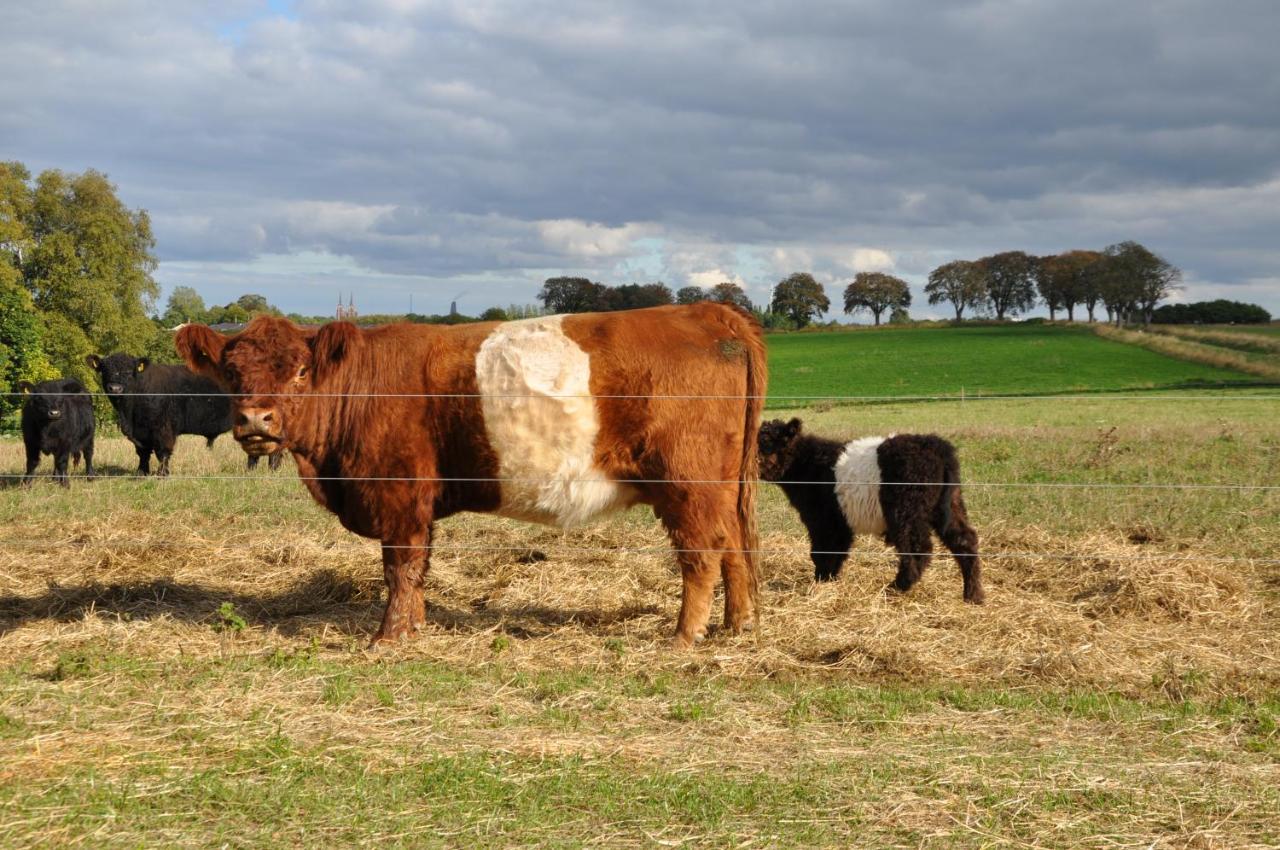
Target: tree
[(22, 354), (961, 282), (254, 304), (800, 298), (1008, 280), (494, 314), (184, 305), (1063, 281), (571, 295), (899, 316), (731, 293), (91, 259), (1139, 279), (876, 292), (1218, 312), (690, 295)]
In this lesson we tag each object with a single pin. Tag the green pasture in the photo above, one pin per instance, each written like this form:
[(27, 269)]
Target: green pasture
[(1016, 359)]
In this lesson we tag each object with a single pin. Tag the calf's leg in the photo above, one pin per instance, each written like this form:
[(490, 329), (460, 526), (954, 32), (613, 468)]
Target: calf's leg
[(915, 549), (830, 539), (88, 459), (60, 468), (33, 460), (144, 459), (961, 539)]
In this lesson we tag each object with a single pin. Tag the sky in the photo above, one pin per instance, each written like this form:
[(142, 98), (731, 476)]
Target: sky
[(440, 151)]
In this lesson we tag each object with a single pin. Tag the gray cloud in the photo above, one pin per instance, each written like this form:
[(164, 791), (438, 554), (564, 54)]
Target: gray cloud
[(447, 144)]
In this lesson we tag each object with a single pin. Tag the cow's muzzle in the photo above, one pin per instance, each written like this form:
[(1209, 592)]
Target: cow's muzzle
[(115, 389), (55, 414), (257, 430)]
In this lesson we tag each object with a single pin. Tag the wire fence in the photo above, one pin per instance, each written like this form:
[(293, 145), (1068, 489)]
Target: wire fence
[(632, 550), (962, 396), (1049, 485)]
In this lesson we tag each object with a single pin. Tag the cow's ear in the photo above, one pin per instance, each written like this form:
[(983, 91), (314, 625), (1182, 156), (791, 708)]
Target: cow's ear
[(143, 363), (793, 428), (94, 362), (25, 387), (201, 347), (334, 343), (71, 385)]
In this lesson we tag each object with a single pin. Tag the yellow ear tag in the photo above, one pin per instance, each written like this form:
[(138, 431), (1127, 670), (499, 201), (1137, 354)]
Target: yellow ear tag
[(141, 366)]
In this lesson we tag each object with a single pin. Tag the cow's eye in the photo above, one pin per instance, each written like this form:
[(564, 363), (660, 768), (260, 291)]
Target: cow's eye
[(302, 371)]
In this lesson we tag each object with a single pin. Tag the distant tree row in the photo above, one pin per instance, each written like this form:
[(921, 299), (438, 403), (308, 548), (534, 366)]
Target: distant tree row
[(186, 305), (1126, 278), (1219, 312)]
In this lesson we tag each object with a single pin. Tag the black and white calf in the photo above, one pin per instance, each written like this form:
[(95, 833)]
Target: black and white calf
[(838, 491), (57, 419)]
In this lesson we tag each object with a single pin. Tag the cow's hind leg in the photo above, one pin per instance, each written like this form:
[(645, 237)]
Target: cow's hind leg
[(88, 459), (695, 523), (961, 539), (915, 549), (405, 561)]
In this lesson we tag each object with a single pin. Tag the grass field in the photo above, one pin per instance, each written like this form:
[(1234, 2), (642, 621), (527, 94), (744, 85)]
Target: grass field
[(982, 360), (182, 663)]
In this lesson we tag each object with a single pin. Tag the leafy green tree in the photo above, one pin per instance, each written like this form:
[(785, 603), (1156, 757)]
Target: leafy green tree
[(800, 298), (728, 292), (1010, 286), (22, 354), (254, 304), (961, 282), (571, 295), (876, 292), (691, 295), (184, 305), (494, 314), (899, 316), (91, 260)]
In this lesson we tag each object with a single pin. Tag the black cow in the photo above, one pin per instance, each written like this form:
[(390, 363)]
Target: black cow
[(154, 403), (57, 419)]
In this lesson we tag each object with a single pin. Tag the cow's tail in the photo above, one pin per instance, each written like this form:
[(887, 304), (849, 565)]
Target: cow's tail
[(757, 385)]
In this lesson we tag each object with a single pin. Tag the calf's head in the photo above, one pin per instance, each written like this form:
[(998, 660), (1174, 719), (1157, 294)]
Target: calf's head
[(268, 369), (778, 442), (118, 372), (51, 400)]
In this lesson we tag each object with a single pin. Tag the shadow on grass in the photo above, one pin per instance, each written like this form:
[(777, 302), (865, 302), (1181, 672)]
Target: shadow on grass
[(350, 606)]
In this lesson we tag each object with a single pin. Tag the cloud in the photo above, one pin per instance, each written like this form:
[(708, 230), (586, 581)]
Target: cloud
[(448, 142)]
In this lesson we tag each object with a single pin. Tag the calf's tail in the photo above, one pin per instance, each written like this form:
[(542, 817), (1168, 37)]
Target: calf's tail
[(757, 385)]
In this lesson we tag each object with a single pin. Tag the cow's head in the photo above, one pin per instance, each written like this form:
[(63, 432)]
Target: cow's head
[(50, 400), (778, 442), (118, 372), (268, 368)]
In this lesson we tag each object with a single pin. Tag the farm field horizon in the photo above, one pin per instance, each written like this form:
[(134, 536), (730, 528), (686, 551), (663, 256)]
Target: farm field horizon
[(182, 662)]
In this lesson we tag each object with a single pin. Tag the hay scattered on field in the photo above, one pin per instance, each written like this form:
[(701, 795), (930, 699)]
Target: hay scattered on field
[(1123, 618)]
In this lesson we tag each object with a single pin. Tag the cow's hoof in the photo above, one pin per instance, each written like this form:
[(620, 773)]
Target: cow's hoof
[(680, 642), (976, 598)]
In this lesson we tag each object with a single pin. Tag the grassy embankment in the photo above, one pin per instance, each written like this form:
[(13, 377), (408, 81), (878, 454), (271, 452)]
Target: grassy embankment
[(181, 663)]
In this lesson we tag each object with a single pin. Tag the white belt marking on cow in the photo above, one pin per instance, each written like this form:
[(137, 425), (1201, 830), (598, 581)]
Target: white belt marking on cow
[(542, 423), (857, 472)]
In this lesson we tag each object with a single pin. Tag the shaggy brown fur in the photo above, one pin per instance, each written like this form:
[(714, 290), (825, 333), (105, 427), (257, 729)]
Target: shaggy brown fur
[(920, 491), (309, 393)]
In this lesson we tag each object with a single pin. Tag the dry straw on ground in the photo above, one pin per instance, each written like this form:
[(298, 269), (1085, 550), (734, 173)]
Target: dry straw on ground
[(1123, 618)]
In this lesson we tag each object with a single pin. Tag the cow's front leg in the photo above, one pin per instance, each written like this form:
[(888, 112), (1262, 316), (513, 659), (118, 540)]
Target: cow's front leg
[(405, 562)]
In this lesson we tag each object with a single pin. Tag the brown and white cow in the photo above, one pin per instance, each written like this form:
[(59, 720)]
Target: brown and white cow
[(554, 420)]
